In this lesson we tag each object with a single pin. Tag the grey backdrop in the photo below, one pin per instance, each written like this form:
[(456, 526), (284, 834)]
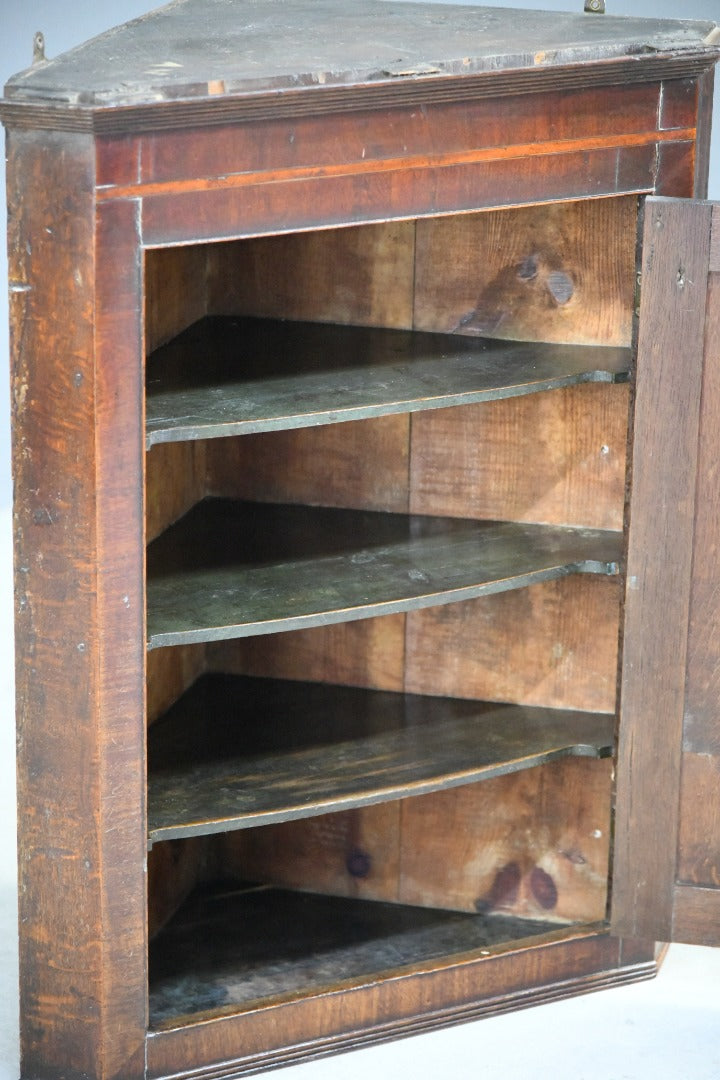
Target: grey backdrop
[(664, 1030)]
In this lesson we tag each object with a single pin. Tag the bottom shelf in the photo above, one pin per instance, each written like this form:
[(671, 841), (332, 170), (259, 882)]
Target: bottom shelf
[(232, 946)]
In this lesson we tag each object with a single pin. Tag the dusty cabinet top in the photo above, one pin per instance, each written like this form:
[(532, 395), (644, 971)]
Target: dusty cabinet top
[(191, 50)]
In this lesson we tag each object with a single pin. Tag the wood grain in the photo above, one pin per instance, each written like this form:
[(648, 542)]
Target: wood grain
[(696, 915), (383, 151), (117, 160), (367, 653), (240, 376), (121, 650), (169, 673), (175, 480), (531, 274), (703, 122), (175, 291), (557, 458), (659, 569), (512, 846), (361, 275), (553, 644), (678, 103), (362, 465), (369, 196), (699, 810), (174, 869), (56, 852), (75, 328), (545, 970), (702, 717), (279, 750), (233, 569), (676, 169), (353, 853), (698, 845), (508, 125)]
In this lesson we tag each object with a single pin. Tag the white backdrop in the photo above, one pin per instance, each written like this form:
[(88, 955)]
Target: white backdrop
[(666, 1030)]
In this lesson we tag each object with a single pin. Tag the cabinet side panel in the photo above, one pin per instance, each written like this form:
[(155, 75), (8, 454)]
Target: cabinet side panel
[(176, 291), (659, 568), (175, 480), (705, 85), (533, 845), (353, 853), (77, 931)]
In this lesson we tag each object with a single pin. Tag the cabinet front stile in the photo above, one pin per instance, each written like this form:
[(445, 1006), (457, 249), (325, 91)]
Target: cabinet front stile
[(75, 342)]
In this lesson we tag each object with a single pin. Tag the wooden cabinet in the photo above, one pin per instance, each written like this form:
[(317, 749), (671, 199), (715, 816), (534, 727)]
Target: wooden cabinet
[(365, 524)]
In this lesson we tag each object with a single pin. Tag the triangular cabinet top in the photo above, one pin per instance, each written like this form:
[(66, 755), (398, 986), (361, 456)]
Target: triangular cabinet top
[(214, 50)]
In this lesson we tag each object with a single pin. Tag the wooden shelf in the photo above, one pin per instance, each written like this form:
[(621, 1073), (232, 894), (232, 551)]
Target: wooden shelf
[(237, 752), (232, 569), (229, 376), (231, 947)]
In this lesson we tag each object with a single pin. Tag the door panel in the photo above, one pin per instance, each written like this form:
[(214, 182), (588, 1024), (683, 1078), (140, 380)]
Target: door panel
[(667, 838)]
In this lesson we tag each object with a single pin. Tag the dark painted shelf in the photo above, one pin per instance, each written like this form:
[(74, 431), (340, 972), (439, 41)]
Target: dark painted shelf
[(236, 752), (228, 376), (229, 948), (232, 569)]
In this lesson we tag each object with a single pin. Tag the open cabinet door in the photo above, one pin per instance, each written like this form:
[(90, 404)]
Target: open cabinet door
[(666, 879)]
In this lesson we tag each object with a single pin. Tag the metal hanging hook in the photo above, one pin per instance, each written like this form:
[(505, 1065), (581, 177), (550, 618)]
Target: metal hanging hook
[(39, 48)]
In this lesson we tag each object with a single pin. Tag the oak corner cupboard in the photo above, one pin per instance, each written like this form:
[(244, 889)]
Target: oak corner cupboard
[(366, 395)]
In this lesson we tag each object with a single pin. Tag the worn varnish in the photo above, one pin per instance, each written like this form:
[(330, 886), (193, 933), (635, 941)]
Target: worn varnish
[(204, 45), (232, 947), (236, 377), (277, 751), (232, 569)]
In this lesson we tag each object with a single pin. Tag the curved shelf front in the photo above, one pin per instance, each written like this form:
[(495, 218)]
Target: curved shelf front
[(228, 376), (232, 569), (235, 752)]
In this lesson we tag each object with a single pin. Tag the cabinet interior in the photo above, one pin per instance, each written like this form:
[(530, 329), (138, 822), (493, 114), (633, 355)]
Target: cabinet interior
[(366, 752)]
